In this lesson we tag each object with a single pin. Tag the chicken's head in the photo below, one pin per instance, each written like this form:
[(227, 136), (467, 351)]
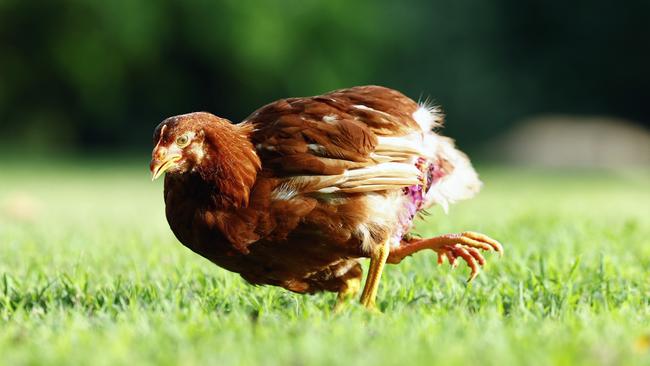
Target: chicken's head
[(179, 144)]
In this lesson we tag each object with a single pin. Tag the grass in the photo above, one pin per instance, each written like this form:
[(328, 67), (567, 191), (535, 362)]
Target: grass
[(90, 274)]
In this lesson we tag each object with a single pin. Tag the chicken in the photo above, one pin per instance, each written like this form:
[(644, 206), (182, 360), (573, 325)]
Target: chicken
[(304, 188)]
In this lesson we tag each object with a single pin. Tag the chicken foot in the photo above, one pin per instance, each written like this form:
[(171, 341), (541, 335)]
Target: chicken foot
[(451, 246), (350, 288)]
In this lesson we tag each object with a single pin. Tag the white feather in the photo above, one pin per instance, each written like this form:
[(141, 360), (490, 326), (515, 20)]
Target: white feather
[(366, 108), (428, 117), (330, 118), (462, 183)]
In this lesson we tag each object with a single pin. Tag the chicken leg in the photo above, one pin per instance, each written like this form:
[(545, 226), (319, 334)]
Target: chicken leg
[(377, 261), (350, 288), (450, 246)]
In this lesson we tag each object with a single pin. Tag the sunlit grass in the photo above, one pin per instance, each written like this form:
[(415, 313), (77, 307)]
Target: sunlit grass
[(90, 273)]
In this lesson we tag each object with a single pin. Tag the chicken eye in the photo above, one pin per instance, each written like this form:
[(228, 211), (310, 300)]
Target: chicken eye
[(182, 140)]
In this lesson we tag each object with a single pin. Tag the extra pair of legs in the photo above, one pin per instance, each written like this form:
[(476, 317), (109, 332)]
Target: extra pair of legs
[(452, 246)]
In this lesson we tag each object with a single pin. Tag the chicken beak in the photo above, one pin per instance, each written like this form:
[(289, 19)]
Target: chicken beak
[(159, 166)]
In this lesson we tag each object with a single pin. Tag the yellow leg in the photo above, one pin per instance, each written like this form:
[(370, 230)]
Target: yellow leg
[(377, 262), (351, 287)]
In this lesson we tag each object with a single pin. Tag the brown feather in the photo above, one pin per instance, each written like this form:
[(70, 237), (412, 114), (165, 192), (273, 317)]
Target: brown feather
[(232, 163)]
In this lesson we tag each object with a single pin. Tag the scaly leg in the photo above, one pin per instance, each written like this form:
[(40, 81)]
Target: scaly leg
[(349, 289), (377, 262), (451, 246)]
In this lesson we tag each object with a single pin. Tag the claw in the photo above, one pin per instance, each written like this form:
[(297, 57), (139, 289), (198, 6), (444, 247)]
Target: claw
[(477, 255), (469, 259), (469, 242), (494, 245), (466, 246), (451, 257)]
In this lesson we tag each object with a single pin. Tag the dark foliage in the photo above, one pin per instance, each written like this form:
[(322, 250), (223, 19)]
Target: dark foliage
[(102, 73)]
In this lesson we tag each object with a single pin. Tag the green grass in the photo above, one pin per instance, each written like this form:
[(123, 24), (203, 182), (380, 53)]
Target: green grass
[(90, 273)]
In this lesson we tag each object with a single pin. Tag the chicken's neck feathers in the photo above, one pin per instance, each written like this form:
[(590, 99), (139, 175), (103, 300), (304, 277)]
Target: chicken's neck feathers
[(230, 164)]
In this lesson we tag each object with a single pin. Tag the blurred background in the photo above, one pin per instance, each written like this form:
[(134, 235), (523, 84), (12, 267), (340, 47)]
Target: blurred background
[(534, 82), (551, 100)]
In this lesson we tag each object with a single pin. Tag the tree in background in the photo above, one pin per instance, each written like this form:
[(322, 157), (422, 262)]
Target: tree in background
[(88, 74)]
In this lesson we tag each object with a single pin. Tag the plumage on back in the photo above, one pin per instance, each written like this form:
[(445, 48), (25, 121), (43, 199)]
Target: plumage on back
[(299, 191), (369, 138)]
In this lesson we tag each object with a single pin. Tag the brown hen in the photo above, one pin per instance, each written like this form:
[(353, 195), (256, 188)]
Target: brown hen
[(304, 188)]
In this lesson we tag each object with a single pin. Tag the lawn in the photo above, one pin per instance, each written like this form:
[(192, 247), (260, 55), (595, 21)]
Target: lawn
[(91, 274)]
